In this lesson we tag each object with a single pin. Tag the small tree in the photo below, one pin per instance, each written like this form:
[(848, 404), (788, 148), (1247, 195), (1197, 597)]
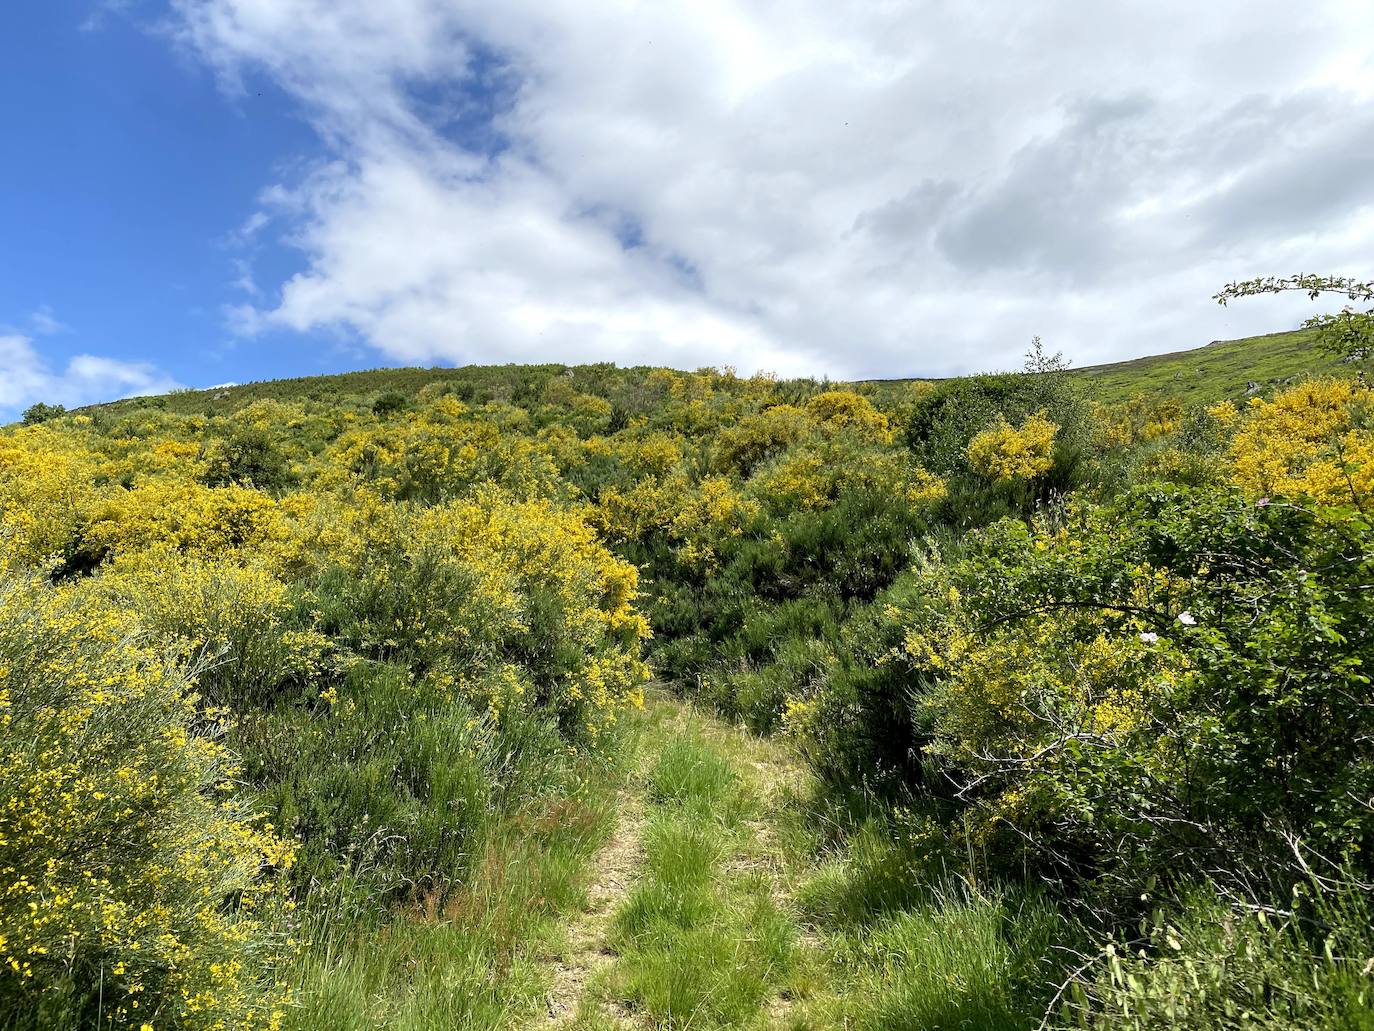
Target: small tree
[(1038, 361), (40, 412)]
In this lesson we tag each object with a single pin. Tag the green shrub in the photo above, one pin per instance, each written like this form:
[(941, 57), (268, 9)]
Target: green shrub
[(41, 412), (1209, 967), (132, 880), (250, 456), (1170, 683)]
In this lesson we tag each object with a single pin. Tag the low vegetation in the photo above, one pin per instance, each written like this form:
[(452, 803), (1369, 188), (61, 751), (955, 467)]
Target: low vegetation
[(997, 703)]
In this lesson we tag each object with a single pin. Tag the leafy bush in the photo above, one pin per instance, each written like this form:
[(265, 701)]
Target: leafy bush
[(135, 888), (41, 412), (1100, 683), (250, 456)]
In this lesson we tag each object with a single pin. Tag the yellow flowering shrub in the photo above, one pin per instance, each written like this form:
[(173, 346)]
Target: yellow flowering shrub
[(707, 517), (1312, 440), (48, 479), (179, 515), (756, 438), (1005, 452), (1138, 421), (1223, 413), (567, 602), (437, 453), (654, 454), (232, 619), (815, 478), (627, 514), (131, 885), (850, 410)]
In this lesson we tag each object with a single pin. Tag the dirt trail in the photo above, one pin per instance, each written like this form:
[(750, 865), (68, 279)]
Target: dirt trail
[(587, 951)]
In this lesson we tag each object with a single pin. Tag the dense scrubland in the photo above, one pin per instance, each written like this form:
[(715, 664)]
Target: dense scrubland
[(983, 705)]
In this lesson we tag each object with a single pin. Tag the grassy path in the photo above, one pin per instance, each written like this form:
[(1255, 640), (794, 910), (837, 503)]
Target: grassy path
[(689, 921), (717, 905), (586, 950)]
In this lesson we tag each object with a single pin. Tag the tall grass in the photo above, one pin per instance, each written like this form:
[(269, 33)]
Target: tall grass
[(702, 945), (963, 960), (1211, 967), (467, 958)]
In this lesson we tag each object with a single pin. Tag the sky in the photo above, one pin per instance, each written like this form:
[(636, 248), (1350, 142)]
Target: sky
[(195, 192)]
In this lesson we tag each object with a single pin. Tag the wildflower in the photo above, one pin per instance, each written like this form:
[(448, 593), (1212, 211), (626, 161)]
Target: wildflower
[(1187, 618), (1149, 637)]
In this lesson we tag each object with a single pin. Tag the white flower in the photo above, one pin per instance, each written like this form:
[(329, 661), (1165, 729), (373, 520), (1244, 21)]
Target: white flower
[(1149, 637), (1186, 618)]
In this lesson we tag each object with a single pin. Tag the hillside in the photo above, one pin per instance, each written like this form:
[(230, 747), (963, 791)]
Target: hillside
[(529, 697), (1220, 369)]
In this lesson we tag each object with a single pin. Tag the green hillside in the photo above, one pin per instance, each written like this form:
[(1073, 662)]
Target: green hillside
[(518, 697), (1221, 369)]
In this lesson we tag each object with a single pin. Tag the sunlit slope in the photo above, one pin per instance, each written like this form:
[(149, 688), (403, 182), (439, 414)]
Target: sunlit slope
[(1222, 369), (1225, 368)]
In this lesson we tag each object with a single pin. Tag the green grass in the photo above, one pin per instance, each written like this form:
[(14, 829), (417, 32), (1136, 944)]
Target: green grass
[(905, 944), (958, 962), (702, 941), (692, 776), (463, 960), (1220, 370)]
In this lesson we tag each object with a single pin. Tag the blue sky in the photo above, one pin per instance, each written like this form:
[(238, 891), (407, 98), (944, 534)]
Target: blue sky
[(128, 172), (202, 191)]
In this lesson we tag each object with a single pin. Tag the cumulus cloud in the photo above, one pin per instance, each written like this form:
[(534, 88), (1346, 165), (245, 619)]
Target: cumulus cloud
[(26, 377), (841, 188)]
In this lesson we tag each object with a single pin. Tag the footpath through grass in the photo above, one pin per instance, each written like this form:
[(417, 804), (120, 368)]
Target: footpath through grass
[(750, 903), (702, 884)]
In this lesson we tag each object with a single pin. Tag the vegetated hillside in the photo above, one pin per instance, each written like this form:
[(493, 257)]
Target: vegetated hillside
[(1222, 369), (1009, 709)]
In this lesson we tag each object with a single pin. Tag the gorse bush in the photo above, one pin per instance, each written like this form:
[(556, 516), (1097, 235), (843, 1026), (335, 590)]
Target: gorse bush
[(137, 891), (1100, 683), (1005, 452)]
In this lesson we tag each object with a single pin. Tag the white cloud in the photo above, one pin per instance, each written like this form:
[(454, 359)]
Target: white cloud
[(847, 188), (26, 377), (45, 323)]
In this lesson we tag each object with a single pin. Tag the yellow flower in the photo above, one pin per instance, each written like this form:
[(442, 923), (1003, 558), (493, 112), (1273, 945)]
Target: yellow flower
[(1004, 452)]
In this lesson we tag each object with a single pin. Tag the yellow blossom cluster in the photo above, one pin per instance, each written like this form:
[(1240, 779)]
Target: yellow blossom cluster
[(439, 452), (1137, 421), (118, 844), (1005, 452), (1313, 440), (847, 409)]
